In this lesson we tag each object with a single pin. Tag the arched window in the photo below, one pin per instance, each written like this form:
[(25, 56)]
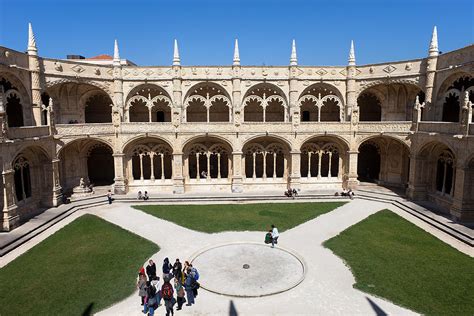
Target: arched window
[(14, 109), (208, 103), (208, 163), (151, 161), (319, 162), (149, 103), (265, 103), (368, 162), (445, 173), (22, 178), (264, 162), (98, 109), (452, 98)]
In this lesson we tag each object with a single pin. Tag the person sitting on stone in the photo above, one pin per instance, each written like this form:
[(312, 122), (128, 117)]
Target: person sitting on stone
[(145, 196), (295, 193), (140, 196), (203, 174)]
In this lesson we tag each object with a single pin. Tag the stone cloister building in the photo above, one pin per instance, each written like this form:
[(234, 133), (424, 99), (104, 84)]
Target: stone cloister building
[(236, 128)]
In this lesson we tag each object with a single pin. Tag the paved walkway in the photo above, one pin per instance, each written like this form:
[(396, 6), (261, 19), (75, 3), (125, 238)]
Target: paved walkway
[(327, 288)]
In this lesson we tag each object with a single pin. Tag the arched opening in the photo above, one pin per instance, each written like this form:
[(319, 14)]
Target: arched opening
[(451, 95), (207, 102), (369, 107), (89, 159), (98, 109), (196, 111), (148, 103), (445, 172), (22, 177), (266, 158), (265, 103), (219, 112), (45, 107), (149, 160), (100, 165), (368, 167), (207, 158), (14, 110), (320, 103)]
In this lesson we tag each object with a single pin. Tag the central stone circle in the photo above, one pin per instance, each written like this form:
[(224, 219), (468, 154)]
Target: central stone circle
[(225, 269)]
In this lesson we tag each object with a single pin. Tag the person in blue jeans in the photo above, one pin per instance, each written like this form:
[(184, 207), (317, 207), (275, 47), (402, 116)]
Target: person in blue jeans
[(188, 287)]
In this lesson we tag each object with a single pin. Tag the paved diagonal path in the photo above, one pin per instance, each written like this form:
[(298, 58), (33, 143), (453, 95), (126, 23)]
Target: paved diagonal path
[(327, 288)]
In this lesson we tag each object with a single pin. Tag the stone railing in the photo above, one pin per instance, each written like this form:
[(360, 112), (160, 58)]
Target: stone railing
[(385, 126), (324, 127), (84, 129), (28, 132), (439, 127)]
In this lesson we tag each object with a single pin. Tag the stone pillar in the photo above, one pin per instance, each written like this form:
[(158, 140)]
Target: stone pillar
[(294, 107), (460, 209), (178, 179), (57, 190), (352, 181), (237, 179), (3, 115), (177, 111), (416, 188), (10, 216), (295, 173), (33, 62), (351, 97), (119, 179), (237, 95), (431, 64), (118, 93)]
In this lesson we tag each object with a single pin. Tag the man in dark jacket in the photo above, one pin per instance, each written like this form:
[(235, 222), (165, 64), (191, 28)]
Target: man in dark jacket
[(151, 270), (177, 267)]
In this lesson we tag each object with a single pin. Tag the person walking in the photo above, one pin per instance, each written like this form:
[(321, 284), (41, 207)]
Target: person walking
[(141, 286), (155, 282), (109, 197), (188, 287), (167, 294), (151, 270), (178, 286), (275, 236), (151, 303)]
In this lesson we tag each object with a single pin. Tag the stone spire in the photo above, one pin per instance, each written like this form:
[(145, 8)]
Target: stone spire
[(293, 58), (32, 50), (352, 57), (176, 59), (433, 51), (116, 54), (236, 53)]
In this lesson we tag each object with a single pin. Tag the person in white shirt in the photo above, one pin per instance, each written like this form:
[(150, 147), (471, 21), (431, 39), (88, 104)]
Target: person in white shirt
[(275, 236)]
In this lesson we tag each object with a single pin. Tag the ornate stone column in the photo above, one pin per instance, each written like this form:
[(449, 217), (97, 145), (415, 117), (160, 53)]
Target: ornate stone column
[(416, 188), (351, 97), (178, 179), (57, 191), (237, 186), (119, 180), (352, 181), (10, 216), (460, 209), (34, 67), (295, 173), (431, 64)]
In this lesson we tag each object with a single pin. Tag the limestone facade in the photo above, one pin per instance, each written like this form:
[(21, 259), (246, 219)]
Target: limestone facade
[(235, 128)]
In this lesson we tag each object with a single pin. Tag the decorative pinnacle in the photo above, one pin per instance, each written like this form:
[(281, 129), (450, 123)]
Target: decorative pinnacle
[(236, 53), (433, 51), (293, 58), (352, 57), (176, 59), (116, 54), (32, 50)]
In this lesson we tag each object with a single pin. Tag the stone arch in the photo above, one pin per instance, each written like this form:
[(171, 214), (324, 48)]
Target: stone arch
[(265, 158), (444, 86), (452, 97), (265, 102), (148, 103), (71, 102), (207, 102), (142, 136), (323, 158), (149, 160), (370, 107), (88, 158), (211, 135), (15, 100), (207, 158), (384, 160)]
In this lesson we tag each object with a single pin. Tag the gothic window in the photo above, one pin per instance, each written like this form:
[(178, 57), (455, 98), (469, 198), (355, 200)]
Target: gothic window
[(452, 98), (319, 162), (22, 178), (445, 173), (265, 103), (148, 104), (14, 109), (208, 103), (264, 162), (98, 109), (208, 162)]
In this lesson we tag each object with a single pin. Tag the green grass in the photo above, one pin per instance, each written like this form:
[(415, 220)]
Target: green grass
[(84, 267), (392, 258), (239, 217)]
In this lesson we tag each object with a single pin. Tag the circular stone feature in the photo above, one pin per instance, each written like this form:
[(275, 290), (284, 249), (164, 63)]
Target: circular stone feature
[(274, 270)]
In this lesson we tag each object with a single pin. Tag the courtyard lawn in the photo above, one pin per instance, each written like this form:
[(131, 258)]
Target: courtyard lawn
[(392, 258), (239, 217), (86, 266)]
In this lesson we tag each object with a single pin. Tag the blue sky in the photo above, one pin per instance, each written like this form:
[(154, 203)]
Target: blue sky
[(383, 30)]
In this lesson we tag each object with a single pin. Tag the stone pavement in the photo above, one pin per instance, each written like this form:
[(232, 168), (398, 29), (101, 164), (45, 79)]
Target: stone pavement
[(327, 288)]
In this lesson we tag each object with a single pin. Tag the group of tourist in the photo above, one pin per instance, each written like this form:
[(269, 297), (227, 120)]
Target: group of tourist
[(176, 278), (346, 192), (272, 236), (291, 193)]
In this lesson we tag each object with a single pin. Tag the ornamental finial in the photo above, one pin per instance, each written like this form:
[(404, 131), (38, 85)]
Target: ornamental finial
[(116, 54), (176, 59), (434, 51), (236, 53), (293, 57), (32, 49), (352, 57)]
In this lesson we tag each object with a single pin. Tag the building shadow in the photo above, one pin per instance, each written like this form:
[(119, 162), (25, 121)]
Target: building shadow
[(232, 309), (88, 310), (378, 311)]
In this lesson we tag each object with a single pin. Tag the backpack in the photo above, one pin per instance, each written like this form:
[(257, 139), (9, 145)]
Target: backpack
[(196, 274), (167, 291)]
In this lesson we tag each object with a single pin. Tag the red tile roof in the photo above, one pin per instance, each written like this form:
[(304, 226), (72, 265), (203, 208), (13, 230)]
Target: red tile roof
[(102, 57)]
